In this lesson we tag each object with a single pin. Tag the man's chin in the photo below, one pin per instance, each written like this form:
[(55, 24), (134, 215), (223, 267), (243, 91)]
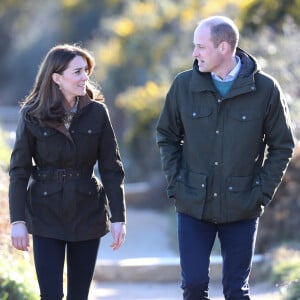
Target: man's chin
[(202, 69)]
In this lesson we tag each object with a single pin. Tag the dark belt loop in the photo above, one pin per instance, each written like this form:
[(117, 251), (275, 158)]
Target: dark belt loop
[(61, 175)]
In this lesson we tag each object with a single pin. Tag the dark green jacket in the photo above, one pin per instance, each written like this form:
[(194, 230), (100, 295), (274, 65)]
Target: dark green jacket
[(70, 209), (213, 148)]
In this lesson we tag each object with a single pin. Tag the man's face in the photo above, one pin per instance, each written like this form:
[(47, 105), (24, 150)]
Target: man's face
[(208, 56)]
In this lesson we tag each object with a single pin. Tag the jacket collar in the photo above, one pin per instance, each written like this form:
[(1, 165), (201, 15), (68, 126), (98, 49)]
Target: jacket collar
[(83, 102), (244, 83)]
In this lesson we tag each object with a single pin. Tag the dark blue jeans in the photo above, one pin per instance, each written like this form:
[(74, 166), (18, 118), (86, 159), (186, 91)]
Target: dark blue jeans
[(196, 239), (49, 257)]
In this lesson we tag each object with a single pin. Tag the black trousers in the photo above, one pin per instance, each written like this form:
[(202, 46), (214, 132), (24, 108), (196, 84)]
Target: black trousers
[(49, 257)]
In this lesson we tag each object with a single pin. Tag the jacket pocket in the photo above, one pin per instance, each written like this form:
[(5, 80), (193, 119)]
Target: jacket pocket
[(243, 197), (245, 125), (45, 200), (87, 140), (90, 201), (190, 193), (48, 142)]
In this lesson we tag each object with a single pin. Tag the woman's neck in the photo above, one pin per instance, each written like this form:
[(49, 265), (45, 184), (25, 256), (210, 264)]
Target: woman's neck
[(69, 103)]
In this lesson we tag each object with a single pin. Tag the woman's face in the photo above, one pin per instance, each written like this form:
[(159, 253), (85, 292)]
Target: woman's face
[(72, 82)]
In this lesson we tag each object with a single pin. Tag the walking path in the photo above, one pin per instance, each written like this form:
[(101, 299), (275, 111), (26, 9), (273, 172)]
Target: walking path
[(147, 265)]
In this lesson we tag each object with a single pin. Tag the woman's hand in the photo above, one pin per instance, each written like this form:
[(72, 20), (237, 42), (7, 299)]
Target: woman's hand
[(118, 231), (19, 236)]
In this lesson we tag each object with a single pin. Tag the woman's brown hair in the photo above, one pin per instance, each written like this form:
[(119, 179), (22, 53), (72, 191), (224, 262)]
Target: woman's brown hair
[(45, 99)]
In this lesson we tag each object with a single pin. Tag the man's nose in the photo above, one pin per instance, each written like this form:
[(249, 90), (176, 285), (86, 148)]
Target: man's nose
[(195, 52)]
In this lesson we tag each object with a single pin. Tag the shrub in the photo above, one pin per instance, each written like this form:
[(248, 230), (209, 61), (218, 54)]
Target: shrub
[(286, 270), (17, 275)]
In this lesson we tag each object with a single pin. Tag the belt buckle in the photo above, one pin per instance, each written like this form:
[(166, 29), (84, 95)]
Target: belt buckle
[(61, 175)]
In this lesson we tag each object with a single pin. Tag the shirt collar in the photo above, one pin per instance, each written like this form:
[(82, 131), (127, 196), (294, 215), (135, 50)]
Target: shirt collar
[(232, 74)]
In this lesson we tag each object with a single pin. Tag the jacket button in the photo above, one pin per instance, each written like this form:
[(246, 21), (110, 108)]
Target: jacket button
[(194, 114), (219, 100), (216, 163), (217, 131), (230, 188), (45, 133), (256, 182), (244, 117), (203, 185), (90, 131), (215, 194), (45, 193)]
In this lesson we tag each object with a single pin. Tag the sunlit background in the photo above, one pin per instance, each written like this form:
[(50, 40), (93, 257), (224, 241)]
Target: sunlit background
[(139, 47)]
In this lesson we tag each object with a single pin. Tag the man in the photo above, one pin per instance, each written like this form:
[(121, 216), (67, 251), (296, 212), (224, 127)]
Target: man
[(225, 142)]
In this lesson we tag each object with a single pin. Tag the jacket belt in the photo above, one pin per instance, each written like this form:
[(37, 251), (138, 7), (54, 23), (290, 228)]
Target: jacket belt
[(60, 175)]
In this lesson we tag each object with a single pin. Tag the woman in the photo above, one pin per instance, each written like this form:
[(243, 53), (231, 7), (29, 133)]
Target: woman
[(63, 131)]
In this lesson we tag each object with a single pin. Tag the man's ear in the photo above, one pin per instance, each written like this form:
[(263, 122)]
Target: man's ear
[(225, 47), (222, 46), (55, 78)]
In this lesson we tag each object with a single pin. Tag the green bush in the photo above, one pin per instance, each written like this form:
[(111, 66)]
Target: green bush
[(17, 276), (285, 272)]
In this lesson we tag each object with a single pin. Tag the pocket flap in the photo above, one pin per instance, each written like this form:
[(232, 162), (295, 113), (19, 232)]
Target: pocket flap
[(46, 189), (87, 189), (192, 179), (237, 184), (202, 113), (245, 116), (88, 131)]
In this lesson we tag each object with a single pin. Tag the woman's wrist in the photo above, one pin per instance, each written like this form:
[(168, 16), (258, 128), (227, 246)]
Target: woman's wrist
[(18, 222)]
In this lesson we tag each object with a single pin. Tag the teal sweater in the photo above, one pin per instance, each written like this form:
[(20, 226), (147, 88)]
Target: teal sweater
[(223, 86)]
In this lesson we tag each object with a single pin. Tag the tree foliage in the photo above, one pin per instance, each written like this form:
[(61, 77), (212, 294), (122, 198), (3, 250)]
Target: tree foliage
[(137, 44), (272, 13)]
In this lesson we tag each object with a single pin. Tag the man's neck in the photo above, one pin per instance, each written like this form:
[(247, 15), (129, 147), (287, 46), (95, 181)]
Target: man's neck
[(228, 67)]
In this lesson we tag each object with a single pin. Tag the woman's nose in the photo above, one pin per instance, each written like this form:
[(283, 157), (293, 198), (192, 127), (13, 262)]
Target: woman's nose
[(85, 76)]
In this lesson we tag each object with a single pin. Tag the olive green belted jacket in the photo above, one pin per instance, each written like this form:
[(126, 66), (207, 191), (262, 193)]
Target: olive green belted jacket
[(52, 184), (224, 157)]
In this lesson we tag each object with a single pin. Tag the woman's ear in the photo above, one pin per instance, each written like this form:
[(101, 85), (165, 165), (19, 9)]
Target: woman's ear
[(55, 78)]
